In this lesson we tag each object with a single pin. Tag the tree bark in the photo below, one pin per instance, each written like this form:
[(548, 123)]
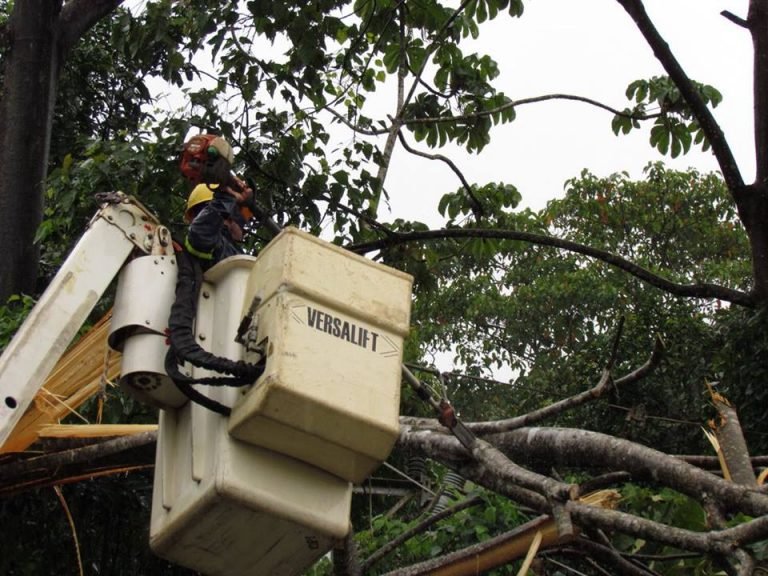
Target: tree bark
[(757, 22), (25, 122), (40, 32), (753, 201), (574, 447), (729, 434)]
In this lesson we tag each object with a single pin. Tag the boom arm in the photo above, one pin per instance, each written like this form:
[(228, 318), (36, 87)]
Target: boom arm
[(118, 228)]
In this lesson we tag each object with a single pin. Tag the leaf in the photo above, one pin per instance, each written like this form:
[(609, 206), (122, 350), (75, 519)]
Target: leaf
[(481, 533), (391, 58), (621, 124), (516, 8), (481, 12), (660, 138), (342, 177), (677, 146), (712, 95)]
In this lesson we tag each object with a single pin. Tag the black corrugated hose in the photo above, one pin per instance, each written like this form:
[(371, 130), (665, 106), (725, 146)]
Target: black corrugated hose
[(184, 347)]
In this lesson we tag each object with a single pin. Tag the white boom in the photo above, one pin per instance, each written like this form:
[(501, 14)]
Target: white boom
[(121, 226)]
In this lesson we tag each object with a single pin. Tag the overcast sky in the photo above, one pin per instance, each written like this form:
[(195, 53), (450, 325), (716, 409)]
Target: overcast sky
[(586, 48)]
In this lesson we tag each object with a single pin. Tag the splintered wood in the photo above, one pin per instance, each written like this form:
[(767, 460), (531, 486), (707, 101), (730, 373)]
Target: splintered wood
[(729, 442), (80, 374), (93, 430)]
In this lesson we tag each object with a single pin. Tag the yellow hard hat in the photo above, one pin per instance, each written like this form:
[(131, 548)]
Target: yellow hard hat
[(200, 193)]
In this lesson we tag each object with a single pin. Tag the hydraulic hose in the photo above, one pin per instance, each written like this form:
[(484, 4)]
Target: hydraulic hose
[(184, 347)]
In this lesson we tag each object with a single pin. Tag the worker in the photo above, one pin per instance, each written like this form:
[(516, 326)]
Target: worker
[(215, 221), (217, 211), (217, 206)]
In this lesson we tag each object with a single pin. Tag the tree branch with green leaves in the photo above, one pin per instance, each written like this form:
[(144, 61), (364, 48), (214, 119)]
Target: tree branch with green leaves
[(700, 290)]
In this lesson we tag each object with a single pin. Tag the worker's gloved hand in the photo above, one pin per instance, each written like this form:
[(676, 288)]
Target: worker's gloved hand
[(230, 196), (239, 190), (243, 195)]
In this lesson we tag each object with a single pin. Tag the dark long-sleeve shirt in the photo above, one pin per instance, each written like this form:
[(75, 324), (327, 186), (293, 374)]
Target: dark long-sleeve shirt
[(208, 238)]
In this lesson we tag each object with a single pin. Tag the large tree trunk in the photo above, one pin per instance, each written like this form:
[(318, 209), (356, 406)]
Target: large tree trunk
[(757, 202), (39, 33), (752, 203), (25, 125)]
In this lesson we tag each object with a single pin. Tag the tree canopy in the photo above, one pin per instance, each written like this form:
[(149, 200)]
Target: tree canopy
[(589, 341)]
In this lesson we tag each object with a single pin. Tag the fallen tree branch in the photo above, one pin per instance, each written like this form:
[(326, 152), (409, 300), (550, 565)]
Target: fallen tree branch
[(723, 542), (609, 555), (605, 384), (575, 448), (572, 447), (489, 467), (680, 538), (712, 462), (56, 460), (64, 478), (730, 439), (484, 556), (344, 556)]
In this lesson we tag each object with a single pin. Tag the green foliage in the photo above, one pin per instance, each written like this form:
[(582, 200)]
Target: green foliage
[(12, 314), (465, 101), (664, 505), (674, 128), (494, 198), (102, 89), (739, 364), (493, 516), (549, 317), (142, 167), (697, 210), (106, 137), (673, 509)]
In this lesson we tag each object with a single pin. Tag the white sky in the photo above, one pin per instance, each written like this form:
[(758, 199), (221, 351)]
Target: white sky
[(586, 48)]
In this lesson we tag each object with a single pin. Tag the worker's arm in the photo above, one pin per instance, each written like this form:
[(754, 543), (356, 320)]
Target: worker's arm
[(221, 217)]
